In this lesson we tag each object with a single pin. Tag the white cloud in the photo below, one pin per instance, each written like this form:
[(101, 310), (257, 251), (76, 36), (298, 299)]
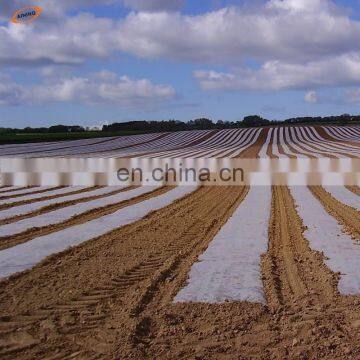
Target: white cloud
[(11, 94), (275, 75), (278, 30), (301, 44), (100, 88), (288, 31), (306, 6), (154, 5), (311, 97), (70, 42), (353, 96)]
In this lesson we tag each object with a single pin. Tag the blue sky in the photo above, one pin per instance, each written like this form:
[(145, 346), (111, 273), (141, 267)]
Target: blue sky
[(89, 62)]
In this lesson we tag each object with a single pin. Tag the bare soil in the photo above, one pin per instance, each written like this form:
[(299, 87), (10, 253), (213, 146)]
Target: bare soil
[(24, 202), (112, 297), (345, 215), (9, 241), (61, 204)]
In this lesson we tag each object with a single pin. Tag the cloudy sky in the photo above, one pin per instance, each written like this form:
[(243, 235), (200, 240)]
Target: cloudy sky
[(95, 61)]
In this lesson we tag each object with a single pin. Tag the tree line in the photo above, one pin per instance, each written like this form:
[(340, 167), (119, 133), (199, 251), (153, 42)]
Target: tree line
[(197, 124)]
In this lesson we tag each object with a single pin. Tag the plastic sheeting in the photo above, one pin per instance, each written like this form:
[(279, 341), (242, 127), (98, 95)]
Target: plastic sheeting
[(62, 191), (326, 235), (66, 213), (230, 268), (29, 208), (344, 195), (25, 256)]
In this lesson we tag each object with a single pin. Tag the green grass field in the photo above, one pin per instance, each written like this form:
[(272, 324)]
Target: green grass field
[(33, 137)]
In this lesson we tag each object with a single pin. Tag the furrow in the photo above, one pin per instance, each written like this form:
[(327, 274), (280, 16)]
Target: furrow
[(25, 191), (18, 213), (344, 196), (292, 272), (354, 189), (345, 215), (325, 234), (56, 221), (193, 223), (27, 199)]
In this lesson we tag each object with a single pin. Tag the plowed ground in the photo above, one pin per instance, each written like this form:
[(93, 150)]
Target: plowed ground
[(112, 297), (346, 215)]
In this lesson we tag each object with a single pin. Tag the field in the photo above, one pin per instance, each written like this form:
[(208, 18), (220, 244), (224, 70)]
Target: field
[(172, 272), (24, 138)]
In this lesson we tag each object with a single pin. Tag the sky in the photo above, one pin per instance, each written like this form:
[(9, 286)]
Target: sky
[(92, 62)]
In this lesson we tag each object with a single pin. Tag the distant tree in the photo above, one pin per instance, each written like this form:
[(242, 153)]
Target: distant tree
[(65, 129), (201, 124), (77, 128), (198, 124), (220, 124), (255, 120), (345, 119), (58, 129)]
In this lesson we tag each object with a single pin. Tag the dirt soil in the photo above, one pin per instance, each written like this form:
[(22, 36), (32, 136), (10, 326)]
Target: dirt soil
[(111, 298), (345, 215), (9, 241), (354, 189), (32, 190), (252, 152), (24, 202), (326, 136)]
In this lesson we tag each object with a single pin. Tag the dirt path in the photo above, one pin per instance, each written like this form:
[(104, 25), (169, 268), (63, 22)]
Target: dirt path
[(345, 215), (112, 297)]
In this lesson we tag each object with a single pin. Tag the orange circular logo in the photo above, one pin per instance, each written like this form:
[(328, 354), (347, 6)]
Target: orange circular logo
[(26, 14)]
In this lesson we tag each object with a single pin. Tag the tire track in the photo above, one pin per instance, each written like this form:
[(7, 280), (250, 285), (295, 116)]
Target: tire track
[(345, 215), (292, 272), (176, 233)]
